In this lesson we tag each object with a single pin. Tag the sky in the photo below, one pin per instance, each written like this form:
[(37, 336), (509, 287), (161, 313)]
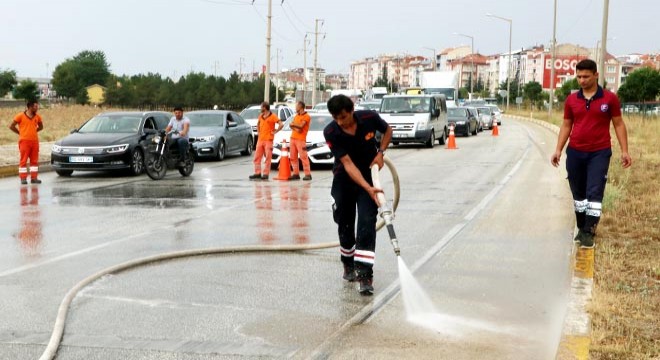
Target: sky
[(175, 37)]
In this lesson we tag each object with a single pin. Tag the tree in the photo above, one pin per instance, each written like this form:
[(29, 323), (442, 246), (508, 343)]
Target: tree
[(27, 90), (532, 91), (7, 81), (75, 74), (566, 89), (513, 87), (641, 85)]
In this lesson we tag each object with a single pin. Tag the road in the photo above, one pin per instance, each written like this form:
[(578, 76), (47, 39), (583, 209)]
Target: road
[(485, 228)]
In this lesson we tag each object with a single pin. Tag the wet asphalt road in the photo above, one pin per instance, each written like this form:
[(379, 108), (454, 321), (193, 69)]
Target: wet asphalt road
[(486, 229)]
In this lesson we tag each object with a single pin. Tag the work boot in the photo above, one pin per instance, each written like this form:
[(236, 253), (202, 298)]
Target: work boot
[(294, 177), (307, 178), (587, 240), (578, 236), (255, 177), (35, 181), (365, 287), (23, 181), (349, 273), (264, 177)]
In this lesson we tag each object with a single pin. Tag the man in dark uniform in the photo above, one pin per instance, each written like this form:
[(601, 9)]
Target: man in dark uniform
[(587, 116), (352, 139)]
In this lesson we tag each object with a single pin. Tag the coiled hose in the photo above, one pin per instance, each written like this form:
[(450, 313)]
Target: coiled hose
[(58, 328)]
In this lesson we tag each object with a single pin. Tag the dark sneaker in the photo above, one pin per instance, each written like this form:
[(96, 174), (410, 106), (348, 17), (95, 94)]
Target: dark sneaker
[(366, 288), (255, 177), (294, 177), (578, 236), (264, 177), (23, 181), (35, 181), (307, 178), (349, 273), (587, 240)]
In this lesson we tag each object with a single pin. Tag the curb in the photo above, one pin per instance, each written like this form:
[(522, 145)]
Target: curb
[(12, 170), (576, 333)]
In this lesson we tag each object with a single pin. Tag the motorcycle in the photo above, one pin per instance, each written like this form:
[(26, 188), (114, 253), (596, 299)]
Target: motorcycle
[(161, 157)]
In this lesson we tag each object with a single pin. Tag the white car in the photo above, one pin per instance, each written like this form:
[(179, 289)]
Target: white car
[(317, 149), (251, 115)]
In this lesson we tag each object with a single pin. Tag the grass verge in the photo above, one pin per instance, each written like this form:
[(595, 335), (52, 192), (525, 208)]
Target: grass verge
[(625, 307)]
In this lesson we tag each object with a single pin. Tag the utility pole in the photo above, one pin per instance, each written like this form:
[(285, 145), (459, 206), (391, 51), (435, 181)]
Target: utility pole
[(552, 62), (267, 75), (304, 68), (316, 50), (277, 76), (603, 44), (240, 67)]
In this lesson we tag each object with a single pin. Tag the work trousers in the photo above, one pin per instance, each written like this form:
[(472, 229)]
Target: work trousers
[(29, 149), (264, 148), (587, 176), (299, 147), (357, 249)]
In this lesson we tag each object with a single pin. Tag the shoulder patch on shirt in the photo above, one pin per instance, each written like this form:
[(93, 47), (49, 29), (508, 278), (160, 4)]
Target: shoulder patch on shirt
[(604, 107), (369, 135)]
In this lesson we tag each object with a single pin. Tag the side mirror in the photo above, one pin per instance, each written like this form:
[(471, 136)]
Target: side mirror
[(73, 131), (231, 124), (435, 112)]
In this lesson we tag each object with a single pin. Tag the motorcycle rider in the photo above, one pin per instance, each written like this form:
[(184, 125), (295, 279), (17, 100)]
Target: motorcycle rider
[(181, 125)]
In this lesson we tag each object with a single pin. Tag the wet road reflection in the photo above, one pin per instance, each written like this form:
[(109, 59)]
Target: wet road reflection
[(162, 194), (29, 234), (290, 222)]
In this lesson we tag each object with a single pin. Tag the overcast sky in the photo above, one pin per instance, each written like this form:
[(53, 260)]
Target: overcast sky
[(173, 37)]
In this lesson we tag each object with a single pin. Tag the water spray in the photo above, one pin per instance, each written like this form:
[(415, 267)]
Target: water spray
[(384, 211)]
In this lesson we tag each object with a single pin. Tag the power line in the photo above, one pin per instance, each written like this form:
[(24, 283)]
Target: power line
[(307, 28), (291, 22), (277, 33), (228, 2)]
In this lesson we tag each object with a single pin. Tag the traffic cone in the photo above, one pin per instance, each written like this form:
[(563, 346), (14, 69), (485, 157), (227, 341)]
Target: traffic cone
[(495, 131), (285, 166), (451, 142)]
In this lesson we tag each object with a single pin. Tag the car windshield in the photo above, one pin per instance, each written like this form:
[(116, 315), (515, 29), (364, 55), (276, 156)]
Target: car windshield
[(483, 111), (495, 109), (447, 92), (317, 123), (321, 107), (405, 104), (370, 106), (250, 113), (456, 112), (205, 119), (112, 124)]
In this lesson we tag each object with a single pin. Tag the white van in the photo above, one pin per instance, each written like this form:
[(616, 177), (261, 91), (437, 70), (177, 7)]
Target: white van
[(416, 118)]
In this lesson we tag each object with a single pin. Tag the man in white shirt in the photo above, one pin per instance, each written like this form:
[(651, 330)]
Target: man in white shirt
[(180, 125)]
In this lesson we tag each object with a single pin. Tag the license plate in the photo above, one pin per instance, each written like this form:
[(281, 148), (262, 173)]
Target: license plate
[(399, 135), (81, 159)]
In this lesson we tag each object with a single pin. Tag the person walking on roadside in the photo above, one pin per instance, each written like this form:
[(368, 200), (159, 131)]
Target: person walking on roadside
[(266, 133), (299, 128), (587, 117), (27, 125), (352, 140), (181, 126)]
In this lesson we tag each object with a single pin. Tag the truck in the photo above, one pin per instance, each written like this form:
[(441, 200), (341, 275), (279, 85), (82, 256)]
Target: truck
[(354, 94), (376, 93), (441, 82)]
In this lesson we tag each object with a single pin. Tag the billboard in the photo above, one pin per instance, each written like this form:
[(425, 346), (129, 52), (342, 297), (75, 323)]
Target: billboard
[(564, 68)]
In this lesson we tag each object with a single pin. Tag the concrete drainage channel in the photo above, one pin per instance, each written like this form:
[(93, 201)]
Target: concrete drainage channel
[(576, 333)]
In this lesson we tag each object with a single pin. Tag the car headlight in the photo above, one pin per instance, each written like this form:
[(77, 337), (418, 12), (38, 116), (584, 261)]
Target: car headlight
[(116, 149), (422, 125), (460, 123), (56, 149), (208, 138)]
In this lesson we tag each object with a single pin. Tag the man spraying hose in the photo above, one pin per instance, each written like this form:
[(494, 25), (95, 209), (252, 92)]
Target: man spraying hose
[(352, 140)]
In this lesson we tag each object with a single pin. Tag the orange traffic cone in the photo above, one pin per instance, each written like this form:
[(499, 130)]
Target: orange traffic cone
[(451, 142), (495, 131), (285, 166)]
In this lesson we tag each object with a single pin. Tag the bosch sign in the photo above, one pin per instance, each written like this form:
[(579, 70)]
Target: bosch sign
[(564, 68), (560, 64)]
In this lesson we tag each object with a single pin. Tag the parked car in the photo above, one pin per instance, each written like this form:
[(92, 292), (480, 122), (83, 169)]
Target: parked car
[(317, 149), (416, 118), (320, 107), (486, 115), (497, 112), (216, 133), (368, 105), (464, 122), (251, 114), (108, 141), (631, 109), (473, 111)]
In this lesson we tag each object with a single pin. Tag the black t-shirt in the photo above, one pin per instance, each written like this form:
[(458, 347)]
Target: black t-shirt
[(361, 147)]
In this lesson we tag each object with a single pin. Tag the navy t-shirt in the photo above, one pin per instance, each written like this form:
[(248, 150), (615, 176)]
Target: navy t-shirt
[(361, 147)]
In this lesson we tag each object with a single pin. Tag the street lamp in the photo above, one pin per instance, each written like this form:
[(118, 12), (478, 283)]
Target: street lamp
[(508, 70), (435, 65), (471, 57)]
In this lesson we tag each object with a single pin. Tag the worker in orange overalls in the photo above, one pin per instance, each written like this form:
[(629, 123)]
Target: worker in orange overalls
[(27, 124), (266, 129), (300, 127)]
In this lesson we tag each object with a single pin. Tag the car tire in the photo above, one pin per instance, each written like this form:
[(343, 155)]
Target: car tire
[(443, 139), (63, 172), (476, 130), (248, 147), (137, 162), (222, 150), (430, 143), (395, 143), (467, 131)]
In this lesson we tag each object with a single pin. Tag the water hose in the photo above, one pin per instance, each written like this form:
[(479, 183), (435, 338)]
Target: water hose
[(58, 328), (386, 214)]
